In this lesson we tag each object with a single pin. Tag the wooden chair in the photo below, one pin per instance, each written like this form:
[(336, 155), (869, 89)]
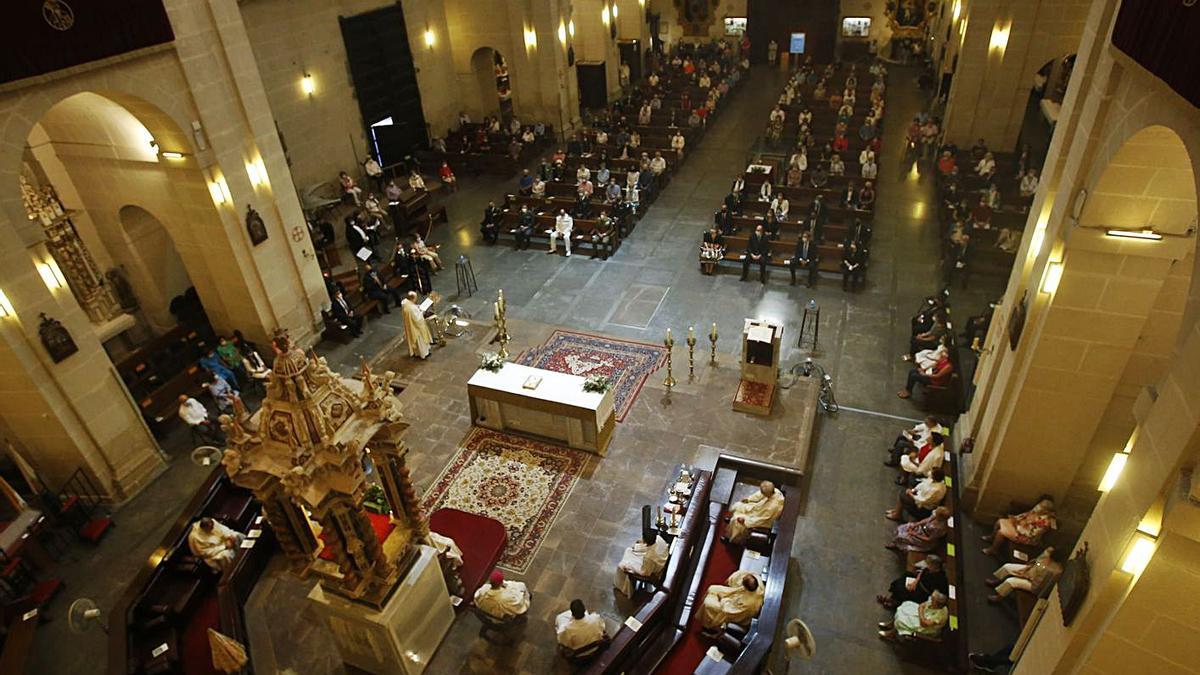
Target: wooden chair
[(581, 655), (498, 631)]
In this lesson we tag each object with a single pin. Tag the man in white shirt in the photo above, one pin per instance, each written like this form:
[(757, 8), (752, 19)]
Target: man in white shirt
[(782, 207), (677, 143), (986, 166), (601, 137), (923, 461), (214, 543), (563, 224), (578, 627), (646, 558), (653, 79), (759, 510), (911, 439), (582, 174), (195, 415), (502, 599), (658, 165), (920, 501)]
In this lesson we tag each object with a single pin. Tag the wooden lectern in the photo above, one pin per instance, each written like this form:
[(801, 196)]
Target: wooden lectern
[(760, 366)]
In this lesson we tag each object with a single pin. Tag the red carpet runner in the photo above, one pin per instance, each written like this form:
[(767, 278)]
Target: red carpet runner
[(722, 561), (196, 657), (481, 539)]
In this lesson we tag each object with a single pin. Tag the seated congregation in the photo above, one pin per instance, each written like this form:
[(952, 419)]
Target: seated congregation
[(810, 210)]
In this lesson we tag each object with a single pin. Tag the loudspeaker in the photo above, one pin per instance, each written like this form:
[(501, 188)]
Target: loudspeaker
[(593, 85)]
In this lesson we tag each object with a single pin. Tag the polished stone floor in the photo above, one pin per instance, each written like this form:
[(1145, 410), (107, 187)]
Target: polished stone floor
[(651, 284)]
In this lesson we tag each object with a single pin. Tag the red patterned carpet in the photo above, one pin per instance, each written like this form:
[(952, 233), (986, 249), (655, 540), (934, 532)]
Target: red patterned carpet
[(626, 363), (518, 481)]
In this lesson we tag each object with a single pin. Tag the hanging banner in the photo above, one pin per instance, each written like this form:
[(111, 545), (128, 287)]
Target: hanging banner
[(1163, 36), (42, 36)]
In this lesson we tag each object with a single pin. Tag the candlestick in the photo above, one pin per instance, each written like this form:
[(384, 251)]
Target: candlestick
[(691, 343), (670, 344), (712, 337)]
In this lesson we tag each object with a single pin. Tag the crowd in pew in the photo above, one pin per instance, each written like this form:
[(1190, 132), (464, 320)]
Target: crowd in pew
[(934, 357), (233, 366), (793, 210), (591, 190)]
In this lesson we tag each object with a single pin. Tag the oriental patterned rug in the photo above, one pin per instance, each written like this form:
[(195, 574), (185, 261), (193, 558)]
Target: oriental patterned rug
[(626, 363), (518, 481)]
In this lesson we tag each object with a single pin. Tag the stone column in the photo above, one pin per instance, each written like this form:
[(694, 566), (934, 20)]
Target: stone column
[(276, 284)]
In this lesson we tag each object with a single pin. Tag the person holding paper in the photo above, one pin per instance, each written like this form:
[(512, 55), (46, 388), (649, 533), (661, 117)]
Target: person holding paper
[(214, 543), (416, 331), (930, 577), (502, 599), (759, 510), (577, 627), (925, 620), (737, 601), (646, 558), (1032, 576)]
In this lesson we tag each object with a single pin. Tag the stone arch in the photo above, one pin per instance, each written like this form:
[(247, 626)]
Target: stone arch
[(1144, 179), (483, 63), (151, 262)]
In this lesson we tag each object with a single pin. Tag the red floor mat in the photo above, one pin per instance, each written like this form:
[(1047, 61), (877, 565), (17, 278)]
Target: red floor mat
[(481, 539), (196, 655), (722, 561)]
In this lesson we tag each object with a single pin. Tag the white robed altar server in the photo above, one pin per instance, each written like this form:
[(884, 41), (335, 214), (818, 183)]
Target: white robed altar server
[(577, 627), (214, 543), (416, 331), (643, 559), (760, 509), (737, 601), (502, 599), (447, 549)]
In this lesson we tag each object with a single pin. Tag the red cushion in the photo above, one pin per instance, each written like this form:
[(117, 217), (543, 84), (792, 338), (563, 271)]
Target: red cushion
[(95, 529)]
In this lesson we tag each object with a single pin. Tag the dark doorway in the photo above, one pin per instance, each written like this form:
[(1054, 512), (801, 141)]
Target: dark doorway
[(385, 82)]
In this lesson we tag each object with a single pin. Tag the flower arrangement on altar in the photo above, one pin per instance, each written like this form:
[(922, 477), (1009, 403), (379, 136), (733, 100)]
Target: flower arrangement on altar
[(596, 384), (491, 362)]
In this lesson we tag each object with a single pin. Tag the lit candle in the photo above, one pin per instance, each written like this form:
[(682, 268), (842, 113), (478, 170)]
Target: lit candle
[(713, 334), (496, 310), (692, 333)]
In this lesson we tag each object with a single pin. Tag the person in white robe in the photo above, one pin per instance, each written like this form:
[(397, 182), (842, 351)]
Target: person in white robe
[(577, 627), (416, 331), (760, 509), (643, 559), (502, 599), (737, 601), (214, 543), (446, 549)]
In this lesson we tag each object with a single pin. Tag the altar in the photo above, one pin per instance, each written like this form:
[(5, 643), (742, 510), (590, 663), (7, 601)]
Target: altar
[(542, 403)]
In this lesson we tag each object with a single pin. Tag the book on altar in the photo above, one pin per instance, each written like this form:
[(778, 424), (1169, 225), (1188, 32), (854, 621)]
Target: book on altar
[(425, 304)]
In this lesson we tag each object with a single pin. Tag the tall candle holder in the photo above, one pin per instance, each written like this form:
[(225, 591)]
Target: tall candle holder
[(712, 337), (670, 345), (500, 310), (691, 343)]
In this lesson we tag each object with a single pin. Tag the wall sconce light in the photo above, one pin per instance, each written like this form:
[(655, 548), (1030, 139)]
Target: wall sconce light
[(562, 33), (1054, 272), (957, 10), (308, 85), (1141, 550), (604, 16), (571, 27), (51, 275), (1036, 239), (257, 172), (219, 190), (6, 308), (642, 3), (999, 37), (171, 154), (530, 39), (1146, 235), (429, 38), (1114, 471), (614, 11)]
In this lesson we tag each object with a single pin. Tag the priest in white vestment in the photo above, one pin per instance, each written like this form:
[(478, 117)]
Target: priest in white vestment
[(760, 509), (578, 627), (447, 549), (737, 601), (214, 543), (416, 331), (502, 599), (643, 559)]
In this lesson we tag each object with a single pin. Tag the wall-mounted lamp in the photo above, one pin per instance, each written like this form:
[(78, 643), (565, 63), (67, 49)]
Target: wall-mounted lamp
[(429, 38), (957, 10), (999, 37), (562, 33), (604, 15), (530, 39), (614, 11), (571, 27), (1141, 550), (219, 190), (6, 308), (51, 275), (1114, 471), (1146, 235), (171, 154), (1054, 272), (308, 85), (642, 3), (257, 172)]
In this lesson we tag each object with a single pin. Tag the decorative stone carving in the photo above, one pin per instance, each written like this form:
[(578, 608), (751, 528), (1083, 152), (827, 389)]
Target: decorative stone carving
[(305, 463), (55, 338)]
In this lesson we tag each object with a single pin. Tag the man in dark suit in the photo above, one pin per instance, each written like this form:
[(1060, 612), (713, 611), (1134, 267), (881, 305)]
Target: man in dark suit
[(357, 237), (723, 220), (525, 223), (853, 267), (860, 233), (332, 286), (805, 259), (816, 219), (375, 288), (344, 314), (489, 227), (758, 251)]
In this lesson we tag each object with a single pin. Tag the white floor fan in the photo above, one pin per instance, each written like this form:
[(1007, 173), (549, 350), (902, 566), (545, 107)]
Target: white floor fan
[(799, 643), (82, 615)]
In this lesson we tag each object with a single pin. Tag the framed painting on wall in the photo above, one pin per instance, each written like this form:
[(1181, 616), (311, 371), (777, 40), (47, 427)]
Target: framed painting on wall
[(856, 26)]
